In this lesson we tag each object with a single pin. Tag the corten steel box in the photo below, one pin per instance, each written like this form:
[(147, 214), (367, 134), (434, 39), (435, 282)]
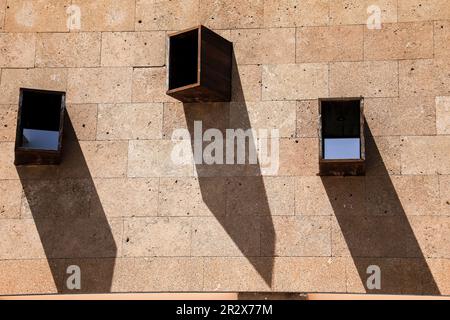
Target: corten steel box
[(341, 119), (40, 117), (199, 66)]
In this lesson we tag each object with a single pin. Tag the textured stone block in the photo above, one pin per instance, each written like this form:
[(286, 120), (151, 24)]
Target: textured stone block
[(400, 116), (191, 197), (440, 269), (442, 39), (322, 44), (54, 79), (133, 49), (295, 13), (126, 197), (398, 276), (149, 85), (383, 156), (399, 41), (93, 237), (311, 197), (294, 81), (129, 121), (183, 115), (416, 77), (173, 118), (424, 77), (26, 277), (19, 239), (257, 196), (346, 195), (299, 157), (356, 11), (425, 155), (8, 121), (105, 159), (10, 199), (83, 118), (68, 49), (37, 16), (310, 274), (400, 195), (152, 158), (230, 235), (444, 188), (374, 236), (227, 274), (107, 15), (229, 14), (266, 115), (166, 15), (7, 168), (432, 235), (56, 199), (99, 85), (18, 50), (368, 79), (443, 115), (145, 237), (264, 46), (297, 236), (419, 10), (2, 13), (158, 274), (246, 83), (307, 119)]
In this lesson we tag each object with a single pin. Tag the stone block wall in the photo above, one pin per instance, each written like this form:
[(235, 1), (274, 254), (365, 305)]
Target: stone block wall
[(133, 221)]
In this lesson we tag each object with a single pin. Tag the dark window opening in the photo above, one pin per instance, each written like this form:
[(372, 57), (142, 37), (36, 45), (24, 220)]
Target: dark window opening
[(341, 129), (183, 59), (40, 119)]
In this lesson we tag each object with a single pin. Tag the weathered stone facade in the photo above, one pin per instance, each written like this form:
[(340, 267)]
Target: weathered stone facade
[(133, 221)]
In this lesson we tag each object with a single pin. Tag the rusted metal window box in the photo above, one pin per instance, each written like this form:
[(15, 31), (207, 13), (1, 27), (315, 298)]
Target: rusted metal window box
[(199, 66), (40, 122), (341, 137)]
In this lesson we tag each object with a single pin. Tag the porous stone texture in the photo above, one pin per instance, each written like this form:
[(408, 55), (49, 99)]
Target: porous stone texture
[(134, 220)]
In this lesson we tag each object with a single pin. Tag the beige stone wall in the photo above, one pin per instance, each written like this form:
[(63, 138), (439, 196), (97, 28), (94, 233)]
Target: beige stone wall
[(133, 221)]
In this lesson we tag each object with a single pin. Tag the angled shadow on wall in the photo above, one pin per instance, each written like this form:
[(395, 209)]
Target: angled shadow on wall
[(69, 218), (244, 212), (372, 224)]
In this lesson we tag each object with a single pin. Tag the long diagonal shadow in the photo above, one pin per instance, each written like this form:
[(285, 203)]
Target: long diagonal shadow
[(246, 217), (376, 229), (69, 218)]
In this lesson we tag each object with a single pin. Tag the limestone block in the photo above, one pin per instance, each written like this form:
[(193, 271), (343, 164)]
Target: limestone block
[(399, 41), (37, 16), (134, 197), (294, 81), (425, 155), (264, 46), (295, 13), (166, 15), (152, 158), (230, 14), (133, 49), (18, 50)]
